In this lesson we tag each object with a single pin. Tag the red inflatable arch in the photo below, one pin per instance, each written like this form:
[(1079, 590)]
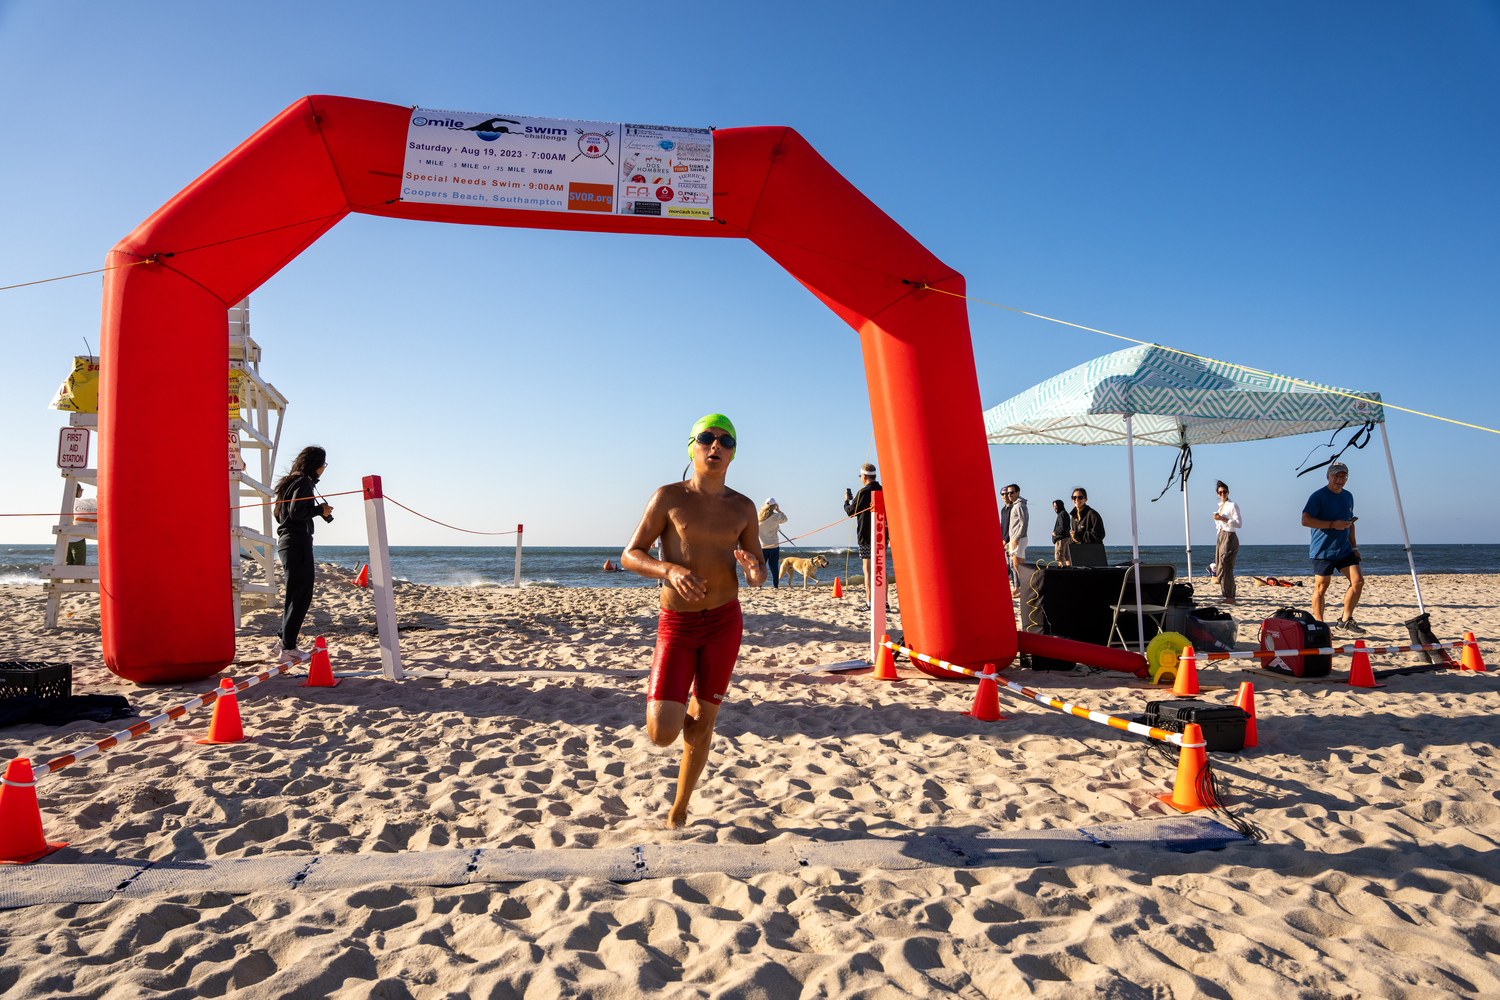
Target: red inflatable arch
[(164, 589)]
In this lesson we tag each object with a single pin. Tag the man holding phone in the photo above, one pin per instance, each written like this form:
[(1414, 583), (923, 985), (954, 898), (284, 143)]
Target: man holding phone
[(1330, 515)]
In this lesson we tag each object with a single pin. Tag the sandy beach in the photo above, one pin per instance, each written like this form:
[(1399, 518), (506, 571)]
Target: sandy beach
[(1377, 877)]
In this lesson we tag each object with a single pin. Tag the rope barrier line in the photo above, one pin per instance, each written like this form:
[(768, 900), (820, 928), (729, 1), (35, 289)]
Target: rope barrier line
[(1199, 357), (248, 506), (272, 503), (142, 728), (424, 517), (1114, 722)]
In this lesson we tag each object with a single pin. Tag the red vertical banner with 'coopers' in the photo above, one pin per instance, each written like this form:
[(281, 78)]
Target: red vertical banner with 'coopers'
[(876, 585), (558, 165)]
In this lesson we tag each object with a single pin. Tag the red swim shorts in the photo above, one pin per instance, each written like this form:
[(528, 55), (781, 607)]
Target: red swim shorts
[(695, 649)]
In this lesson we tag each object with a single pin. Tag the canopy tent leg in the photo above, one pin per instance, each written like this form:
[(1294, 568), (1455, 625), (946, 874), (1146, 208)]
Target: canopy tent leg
[(1400, 516), (1135, 538), (1187, 530)]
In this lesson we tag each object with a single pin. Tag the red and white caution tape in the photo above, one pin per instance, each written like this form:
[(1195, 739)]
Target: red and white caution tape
[(142, 728), (1112, 721)]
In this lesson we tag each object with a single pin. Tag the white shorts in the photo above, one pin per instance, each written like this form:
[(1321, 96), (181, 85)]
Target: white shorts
[(1018, 548)]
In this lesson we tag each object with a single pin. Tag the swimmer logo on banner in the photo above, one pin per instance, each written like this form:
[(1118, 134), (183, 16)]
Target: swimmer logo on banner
[(558, 165)]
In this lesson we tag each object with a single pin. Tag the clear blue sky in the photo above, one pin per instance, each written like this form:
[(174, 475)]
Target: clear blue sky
[(1310, 189)]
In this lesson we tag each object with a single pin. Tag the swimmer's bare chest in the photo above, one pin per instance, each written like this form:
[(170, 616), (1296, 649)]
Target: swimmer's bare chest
[(702, 533)]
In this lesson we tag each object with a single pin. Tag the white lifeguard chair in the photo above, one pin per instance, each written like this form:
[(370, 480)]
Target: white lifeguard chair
[(58, 578), (252, 402)]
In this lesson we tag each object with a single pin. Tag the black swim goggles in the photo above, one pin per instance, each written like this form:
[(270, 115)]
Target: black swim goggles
[(707, 439)]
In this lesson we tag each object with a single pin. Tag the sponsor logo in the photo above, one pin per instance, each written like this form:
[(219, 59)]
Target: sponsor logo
[(665, 193), (590, 197), (593, 144), (637, 191), (638, 179), (678, 212), (679, 168), (643, 208), (692, 197), (489, 130), (652, 165), (666, 144)]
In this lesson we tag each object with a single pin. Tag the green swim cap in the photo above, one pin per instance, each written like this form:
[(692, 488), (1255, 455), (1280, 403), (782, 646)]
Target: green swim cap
[(704, 423)]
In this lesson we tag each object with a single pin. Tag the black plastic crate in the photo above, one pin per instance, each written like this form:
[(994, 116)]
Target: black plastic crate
[(1223, 725), (47, 681)]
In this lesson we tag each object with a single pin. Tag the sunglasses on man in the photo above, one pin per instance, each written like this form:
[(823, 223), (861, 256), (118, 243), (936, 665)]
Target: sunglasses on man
[(707, 439)]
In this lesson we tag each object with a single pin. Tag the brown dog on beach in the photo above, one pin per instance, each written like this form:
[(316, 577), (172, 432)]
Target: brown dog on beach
[(792, 565)]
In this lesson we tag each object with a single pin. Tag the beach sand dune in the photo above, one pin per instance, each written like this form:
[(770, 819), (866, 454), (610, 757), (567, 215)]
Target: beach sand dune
[(1377, 877)]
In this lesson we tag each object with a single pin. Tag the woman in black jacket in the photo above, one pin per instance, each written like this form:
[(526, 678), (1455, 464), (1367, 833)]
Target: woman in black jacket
[(296, 506)]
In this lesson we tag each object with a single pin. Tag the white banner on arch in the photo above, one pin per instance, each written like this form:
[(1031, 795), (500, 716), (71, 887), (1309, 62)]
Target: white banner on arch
[(558, 165)]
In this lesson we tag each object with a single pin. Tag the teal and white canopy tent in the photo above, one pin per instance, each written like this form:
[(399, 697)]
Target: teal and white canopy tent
[(1154, 396)]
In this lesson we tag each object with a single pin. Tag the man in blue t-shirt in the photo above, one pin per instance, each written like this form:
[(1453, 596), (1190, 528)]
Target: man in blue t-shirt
[(1330, 515)]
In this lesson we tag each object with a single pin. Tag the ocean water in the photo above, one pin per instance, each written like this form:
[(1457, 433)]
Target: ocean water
[(581, 566)]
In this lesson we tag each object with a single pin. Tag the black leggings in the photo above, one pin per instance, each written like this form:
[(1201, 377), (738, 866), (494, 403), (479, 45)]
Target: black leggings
[(773, 563), (297, 560)]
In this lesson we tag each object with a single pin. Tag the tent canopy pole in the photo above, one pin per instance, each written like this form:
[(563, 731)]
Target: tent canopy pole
[(1400, 516), (1135, 538), (1187, 523)]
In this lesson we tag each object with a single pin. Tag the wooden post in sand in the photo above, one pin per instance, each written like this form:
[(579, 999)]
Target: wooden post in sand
[(380, 580), (520, 529), (875, 586)]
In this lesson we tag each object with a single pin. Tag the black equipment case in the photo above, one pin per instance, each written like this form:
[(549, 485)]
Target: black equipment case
[(1223, 725), (1291, 628)]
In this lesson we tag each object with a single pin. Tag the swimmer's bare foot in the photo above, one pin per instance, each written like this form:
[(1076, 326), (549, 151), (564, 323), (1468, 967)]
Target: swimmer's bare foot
[(675, 820)]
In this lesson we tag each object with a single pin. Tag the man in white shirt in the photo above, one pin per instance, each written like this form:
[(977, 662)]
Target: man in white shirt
[(1227, 522)]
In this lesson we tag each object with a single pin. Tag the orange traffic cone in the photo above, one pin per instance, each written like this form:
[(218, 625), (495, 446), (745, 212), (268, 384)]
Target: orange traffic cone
[(1471, 659), (225, 726), (1192, 765), (1360, 674), (1187, 674), (1246, 700), (21, 837), (987, 699), (838, 588), (320, 671), (885, 662), (362, 578)]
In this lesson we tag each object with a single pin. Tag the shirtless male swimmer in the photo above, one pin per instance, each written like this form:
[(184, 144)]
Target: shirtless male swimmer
[(705, 528)]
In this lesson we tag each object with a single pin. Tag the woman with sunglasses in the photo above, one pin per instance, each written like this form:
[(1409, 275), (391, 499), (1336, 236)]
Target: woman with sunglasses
[(708, 532), (1227, 523)]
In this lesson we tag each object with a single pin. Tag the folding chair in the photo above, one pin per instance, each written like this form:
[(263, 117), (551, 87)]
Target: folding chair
[(1155, 579)]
